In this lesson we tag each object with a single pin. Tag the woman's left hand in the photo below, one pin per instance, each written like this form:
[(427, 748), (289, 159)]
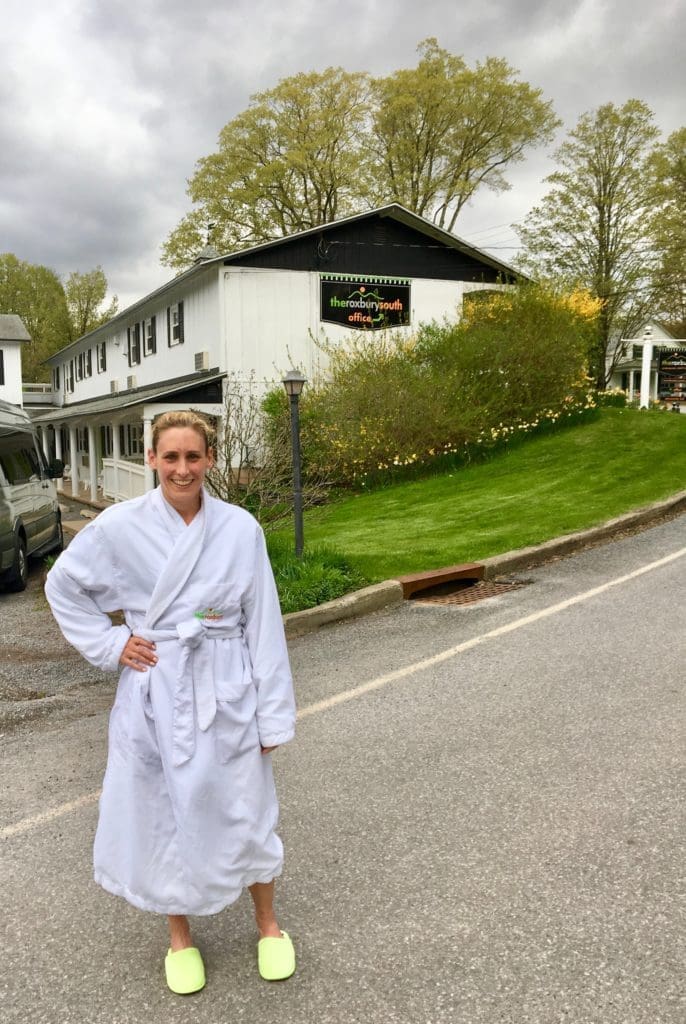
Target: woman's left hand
[(268, 750)]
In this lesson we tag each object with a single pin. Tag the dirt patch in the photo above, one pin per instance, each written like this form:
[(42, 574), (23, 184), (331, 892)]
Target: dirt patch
[(16, 654)]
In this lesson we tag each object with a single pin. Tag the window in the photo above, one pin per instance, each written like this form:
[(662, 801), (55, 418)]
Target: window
[(19, 457), (69, 381), (84, 364), (149, 337), (78, 367), (101, 356), (175, 324), (82, 439), (133, 335), (106, 442), (2, 367), (131, 439)]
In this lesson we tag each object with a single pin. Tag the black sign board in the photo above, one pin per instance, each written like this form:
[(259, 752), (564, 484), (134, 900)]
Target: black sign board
[(368, 303), (672, 359)]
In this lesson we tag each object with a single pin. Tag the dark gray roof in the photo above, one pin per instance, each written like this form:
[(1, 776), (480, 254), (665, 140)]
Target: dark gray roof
[(125, 400), (12, 328)]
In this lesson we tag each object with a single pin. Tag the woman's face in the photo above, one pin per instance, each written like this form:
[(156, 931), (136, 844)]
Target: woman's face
[(181, 461)]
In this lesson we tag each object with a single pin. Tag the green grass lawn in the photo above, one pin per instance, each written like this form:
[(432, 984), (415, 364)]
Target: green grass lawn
[(545, 487)]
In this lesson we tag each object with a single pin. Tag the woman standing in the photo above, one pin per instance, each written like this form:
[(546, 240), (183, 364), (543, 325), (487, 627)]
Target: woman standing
[(188, 807)]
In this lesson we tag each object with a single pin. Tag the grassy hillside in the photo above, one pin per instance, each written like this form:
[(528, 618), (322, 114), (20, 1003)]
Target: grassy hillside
[(543, 488)]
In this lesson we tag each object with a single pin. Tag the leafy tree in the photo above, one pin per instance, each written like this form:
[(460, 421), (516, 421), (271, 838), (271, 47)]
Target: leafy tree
[(321, 145), (442, 129), (292, 160), (85, 293), (590, 229), (53, 314), (35, 293), (668, 229)]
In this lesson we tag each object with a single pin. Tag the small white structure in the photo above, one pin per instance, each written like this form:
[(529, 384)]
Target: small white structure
[(13, 335), (252, 314), (652, 367)]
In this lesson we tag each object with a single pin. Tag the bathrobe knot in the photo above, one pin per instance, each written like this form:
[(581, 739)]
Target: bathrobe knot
[(194, 689)]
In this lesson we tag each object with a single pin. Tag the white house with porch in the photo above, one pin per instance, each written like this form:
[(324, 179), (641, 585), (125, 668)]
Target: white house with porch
[(253, 313), (652, 367)]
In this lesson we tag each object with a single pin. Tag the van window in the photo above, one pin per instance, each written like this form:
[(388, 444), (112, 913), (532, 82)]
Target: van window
[(19, 458)]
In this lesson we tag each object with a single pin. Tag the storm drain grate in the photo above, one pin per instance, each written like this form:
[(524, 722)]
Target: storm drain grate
[(463, 592)]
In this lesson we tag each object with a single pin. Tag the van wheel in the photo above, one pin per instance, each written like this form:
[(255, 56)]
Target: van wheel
[(19, 573)]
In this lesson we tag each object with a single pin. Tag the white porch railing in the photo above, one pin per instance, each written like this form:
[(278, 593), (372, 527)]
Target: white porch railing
[(129, 477)]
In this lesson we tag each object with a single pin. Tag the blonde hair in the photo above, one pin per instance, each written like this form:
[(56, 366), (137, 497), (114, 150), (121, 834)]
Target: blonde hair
[(183, 418)]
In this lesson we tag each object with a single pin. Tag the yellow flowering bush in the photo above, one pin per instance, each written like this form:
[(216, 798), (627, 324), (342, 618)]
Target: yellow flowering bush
[(513, 364)]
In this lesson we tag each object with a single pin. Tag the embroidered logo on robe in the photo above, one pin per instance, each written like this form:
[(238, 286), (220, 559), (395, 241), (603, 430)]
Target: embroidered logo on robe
[(209, 614)]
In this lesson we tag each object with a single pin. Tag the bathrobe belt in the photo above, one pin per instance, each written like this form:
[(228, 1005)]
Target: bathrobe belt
[(194, 679)]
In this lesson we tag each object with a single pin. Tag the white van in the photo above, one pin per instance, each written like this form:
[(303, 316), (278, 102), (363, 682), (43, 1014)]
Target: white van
[(30, 521)]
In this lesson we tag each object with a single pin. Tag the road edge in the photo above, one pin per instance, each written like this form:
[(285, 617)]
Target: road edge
[(389, 592)]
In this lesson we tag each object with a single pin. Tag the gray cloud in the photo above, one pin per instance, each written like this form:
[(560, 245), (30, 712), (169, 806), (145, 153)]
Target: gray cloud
[(105, 108)]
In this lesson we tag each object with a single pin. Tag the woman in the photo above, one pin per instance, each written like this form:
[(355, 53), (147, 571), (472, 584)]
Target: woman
[(188, 807)]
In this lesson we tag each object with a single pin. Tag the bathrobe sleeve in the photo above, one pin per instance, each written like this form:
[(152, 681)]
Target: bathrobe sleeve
[(80, 588), (264, 635)]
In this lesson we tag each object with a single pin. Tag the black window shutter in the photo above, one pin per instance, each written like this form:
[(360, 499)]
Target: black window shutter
[(169, 337), (2, 367), (104, 355), (89, 363), (153, 334), (181, 323), (128, 343)]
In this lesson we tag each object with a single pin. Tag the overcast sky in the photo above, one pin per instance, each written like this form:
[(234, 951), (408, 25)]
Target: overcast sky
[(105, 105)]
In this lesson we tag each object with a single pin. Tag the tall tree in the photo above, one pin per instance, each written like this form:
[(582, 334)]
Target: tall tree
[(325, 144), (35, 293), (591, 227), (442, 130), (53, 314), (668, 229), (294, 159), (85, 294)]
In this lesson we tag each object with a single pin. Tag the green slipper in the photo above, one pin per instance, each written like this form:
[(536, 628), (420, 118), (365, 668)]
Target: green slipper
[(185, 971), (275, 957)]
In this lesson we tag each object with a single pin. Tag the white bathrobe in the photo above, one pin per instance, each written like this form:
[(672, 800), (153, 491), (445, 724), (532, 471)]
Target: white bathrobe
[(188, 807)]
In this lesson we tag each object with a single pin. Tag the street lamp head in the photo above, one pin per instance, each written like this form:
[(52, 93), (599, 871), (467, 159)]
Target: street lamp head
[(294, 382)]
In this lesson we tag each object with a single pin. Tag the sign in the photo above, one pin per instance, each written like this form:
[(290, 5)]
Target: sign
[(367, 303)]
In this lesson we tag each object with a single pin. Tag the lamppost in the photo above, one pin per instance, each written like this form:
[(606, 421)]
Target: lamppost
[(294, 382)]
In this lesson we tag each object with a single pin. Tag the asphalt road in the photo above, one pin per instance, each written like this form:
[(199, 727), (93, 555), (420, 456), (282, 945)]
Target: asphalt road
[(492, 835)]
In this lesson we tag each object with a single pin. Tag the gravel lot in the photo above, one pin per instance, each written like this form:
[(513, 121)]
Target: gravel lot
[(39, 671)]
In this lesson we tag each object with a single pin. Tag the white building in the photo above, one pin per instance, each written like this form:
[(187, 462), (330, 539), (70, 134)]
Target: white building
[(13, 335), (652, 367), (254, 312)]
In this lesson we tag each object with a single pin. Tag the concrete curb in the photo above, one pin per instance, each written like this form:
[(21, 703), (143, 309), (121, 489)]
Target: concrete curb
[(522, 558), (360, 602), (383, 595)]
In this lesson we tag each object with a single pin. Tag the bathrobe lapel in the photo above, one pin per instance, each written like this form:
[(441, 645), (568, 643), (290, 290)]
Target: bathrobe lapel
[(186, 550)]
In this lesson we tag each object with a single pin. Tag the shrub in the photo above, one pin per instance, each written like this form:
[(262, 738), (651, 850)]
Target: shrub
[(321, 574), (514, 362)]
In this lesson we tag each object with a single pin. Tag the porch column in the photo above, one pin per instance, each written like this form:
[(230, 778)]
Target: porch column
[(147, 444), (644, 400), (93, 462), (73, 462), (116, 456), (631, 385), (58, 442), (44, 442)]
